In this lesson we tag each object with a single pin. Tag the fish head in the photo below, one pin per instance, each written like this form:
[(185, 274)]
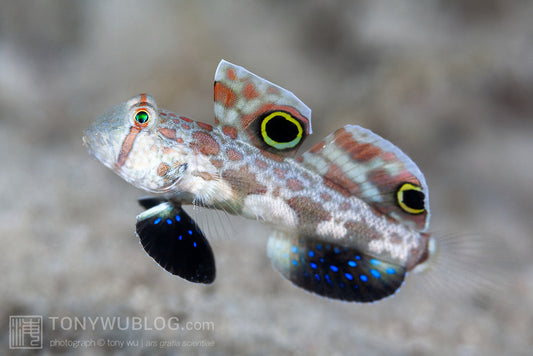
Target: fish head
[(126, 139)]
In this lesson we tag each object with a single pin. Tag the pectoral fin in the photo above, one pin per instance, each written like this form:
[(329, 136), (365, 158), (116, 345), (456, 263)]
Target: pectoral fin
[(175, 242)]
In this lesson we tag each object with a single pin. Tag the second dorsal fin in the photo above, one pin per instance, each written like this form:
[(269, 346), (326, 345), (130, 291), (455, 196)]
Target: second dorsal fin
[(357, 162)]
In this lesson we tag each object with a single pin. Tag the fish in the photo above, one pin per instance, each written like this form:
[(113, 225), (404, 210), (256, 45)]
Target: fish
[(349, 216)]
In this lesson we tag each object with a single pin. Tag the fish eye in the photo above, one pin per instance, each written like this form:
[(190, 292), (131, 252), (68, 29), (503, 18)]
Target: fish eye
[(410, 198), (142, 118), (281, 130)]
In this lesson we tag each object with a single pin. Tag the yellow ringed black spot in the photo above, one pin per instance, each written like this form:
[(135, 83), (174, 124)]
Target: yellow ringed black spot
[(281, 130), (410, 198)]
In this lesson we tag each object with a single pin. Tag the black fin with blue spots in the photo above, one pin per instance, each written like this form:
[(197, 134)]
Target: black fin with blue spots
[(332, 270), (172, 239)]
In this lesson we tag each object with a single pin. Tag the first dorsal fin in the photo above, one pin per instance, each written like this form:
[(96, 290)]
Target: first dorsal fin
[(258, 111), (357, 162)]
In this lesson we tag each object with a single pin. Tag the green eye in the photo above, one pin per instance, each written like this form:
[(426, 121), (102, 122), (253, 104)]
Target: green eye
[(281, 130), (141, 118), (410, 198)]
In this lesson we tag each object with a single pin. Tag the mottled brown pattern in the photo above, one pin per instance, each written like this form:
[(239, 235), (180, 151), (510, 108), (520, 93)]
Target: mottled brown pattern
[(294, 184), (345, 206), (186, 119), (243, 182), (168, 133), (167, 150), (396, 239), (204, 143), (162, 169), (280, 172), (351, 225), (308, 211), (362, 231), (186, 126), (233, 155), (272, 156), (205, 126), (217, 163), (261, 164), (325, 196), (306, 176), (230, 131)]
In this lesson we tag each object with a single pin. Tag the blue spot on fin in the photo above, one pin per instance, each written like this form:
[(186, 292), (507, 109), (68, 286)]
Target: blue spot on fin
[(331, 270), (176, 245)]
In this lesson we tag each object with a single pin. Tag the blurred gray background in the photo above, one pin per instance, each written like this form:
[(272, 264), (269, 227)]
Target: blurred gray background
[(448, 81)]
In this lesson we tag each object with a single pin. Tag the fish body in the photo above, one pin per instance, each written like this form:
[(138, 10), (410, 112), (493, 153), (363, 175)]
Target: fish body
[(348, 216)]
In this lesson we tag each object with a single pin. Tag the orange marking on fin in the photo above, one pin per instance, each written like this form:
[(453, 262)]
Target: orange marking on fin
[(317, 147), (358, 151), (339, 180), (249, 91), (230, 73), (224, 95)]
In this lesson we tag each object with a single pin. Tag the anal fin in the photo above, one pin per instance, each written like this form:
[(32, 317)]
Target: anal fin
[(175, 242), (332, 270)]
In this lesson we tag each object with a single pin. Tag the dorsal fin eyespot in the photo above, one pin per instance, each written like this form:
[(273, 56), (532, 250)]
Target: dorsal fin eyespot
[(245, 101), (410, 198)]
